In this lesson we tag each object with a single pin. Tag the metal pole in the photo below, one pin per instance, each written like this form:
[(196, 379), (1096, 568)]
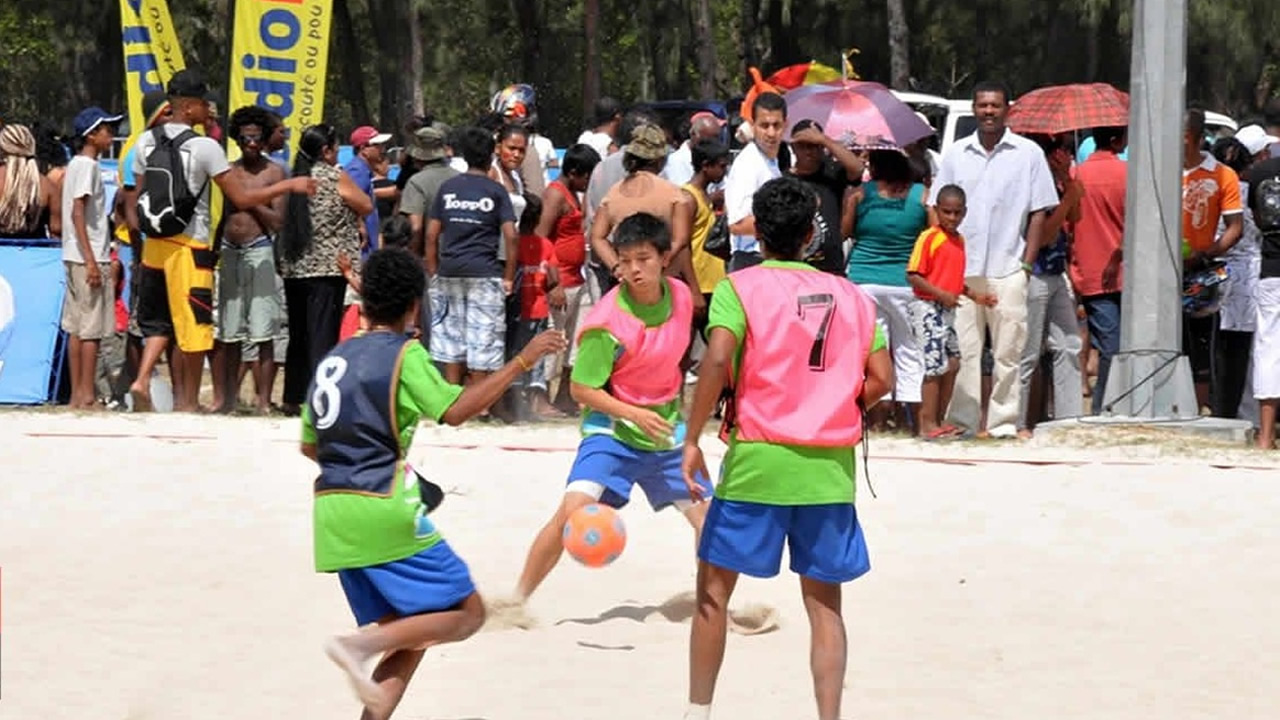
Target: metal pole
[(1150, 378)]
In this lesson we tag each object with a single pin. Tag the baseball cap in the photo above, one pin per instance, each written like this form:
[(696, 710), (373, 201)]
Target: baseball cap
[(88, 120), (648, 142), (1255, 139), (368, 135), (189, 84), (704, 116)]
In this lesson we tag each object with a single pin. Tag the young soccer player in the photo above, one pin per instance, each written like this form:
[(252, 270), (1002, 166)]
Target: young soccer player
[(627, 378), (371, 525), (801, 351), (936, 274)]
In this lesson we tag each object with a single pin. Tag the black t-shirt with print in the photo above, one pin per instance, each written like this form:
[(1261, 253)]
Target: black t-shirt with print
[(471, 210), (829, 183)]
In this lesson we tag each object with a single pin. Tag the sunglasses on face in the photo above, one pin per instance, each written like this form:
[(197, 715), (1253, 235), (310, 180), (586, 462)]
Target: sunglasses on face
[(251, 139)]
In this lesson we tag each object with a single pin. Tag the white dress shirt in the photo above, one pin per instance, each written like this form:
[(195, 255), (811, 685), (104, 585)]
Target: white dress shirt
[(1002, 188)]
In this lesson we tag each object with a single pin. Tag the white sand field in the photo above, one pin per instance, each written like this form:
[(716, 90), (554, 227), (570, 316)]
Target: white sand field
[(160, 567)]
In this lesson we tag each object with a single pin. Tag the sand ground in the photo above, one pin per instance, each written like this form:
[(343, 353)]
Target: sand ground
[(160, 567)]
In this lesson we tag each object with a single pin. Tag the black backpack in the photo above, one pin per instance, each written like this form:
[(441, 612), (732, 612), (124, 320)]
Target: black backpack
[(1267, 198), (166, 203)]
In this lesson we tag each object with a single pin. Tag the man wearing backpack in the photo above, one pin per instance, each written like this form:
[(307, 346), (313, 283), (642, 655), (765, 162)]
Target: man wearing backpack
[(1264, 200), (175, 287)]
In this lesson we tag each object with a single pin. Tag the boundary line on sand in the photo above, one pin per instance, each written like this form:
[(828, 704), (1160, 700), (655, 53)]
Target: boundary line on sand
[(936, 460)]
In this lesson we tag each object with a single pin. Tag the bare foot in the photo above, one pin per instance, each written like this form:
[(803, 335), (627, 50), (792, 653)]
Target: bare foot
[(340, 652), (508, 613), (141, 398), (754, 619), (1025, 434)]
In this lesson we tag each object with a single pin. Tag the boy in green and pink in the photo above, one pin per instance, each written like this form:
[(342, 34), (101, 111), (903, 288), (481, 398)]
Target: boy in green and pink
[(801, 351), (628, 379)]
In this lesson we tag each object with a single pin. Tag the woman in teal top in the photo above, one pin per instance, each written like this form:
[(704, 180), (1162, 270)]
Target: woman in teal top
[(884, 217)]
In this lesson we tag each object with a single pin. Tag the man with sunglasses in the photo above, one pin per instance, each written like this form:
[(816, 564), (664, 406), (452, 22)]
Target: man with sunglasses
[(248, 302)]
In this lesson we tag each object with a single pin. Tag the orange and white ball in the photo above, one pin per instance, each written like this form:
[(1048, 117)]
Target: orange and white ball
[(595, 535)]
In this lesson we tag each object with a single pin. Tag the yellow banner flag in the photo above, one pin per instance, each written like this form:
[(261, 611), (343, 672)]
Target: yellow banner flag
[(151, 52), (279, 61)]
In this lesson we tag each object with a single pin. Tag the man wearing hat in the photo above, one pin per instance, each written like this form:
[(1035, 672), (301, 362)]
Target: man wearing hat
[(644, 191), (88, 307), (175, 284), (428, 149), (367, 142)]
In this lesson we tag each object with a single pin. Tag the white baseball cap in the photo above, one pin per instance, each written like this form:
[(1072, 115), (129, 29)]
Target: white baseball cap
[(1255, 139)]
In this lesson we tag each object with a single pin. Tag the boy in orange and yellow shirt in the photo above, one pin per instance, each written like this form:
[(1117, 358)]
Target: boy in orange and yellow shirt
[(936, 273)]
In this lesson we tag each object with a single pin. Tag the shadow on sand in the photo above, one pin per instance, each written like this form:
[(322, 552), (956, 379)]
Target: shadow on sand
[(750, 620)]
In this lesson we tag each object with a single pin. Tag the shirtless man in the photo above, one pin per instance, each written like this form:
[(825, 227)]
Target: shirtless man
[(248, 301)]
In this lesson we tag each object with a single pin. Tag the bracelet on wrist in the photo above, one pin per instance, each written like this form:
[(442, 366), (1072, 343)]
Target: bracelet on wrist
[(1028, 267), (523, 363)]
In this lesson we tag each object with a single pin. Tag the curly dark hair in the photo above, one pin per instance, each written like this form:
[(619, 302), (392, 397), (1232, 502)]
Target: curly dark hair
[(784, 209), (391, 282), (642, 229), (250, 115)]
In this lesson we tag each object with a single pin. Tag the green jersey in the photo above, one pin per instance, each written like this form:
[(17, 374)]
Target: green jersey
[(770, 473), (598, 350), (355, 529)]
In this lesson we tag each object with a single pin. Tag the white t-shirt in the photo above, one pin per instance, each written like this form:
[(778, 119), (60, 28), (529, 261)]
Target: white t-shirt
[(679, 169), (202, 159), (546, 152), (84, 179), (751, 169), (598, 140)]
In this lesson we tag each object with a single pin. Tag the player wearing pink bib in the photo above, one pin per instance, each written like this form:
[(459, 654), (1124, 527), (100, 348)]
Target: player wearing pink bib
[(801, 351), (627, 378)]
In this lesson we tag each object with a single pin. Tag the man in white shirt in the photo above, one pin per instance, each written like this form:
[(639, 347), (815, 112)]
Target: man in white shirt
[(702, 126), (756, 165), (608, 116), (175, 281), (1009, 186)]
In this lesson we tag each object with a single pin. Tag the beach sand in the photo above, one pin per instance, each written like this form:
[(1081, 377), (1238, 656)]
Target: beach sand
[(160, 567)]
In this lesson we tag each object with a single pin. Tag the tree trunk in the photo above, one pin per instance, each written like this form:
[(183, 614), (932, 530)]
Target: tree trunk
[(747, 42), (350, 61), (982, 56), (899, 46), (389, 20), (705, 41), (413, 68), (591, 67), (529, 20)]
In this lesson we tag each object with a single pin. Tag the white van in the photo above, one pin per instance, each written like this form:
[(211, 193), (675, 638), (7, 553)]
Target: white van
[(951, 119)]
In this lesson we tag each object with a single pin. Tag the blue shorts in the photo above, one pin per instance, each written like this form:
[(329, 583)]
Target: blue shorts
[(825, 541), (607, 469), (433, 580)]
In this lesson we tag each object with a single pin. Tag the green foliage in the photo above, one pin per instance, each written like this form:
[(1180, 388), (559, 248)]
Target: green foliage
[(57, 56)]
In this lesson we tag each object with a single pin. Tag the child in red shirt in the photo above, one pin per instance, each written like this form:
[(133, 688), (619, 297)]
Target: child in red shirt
[(936, 273), (536, 277)]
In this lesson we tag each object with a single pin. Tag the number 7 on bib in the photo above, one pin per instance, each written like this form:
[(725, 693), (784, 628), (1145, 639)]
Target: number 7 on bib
[(816, 310)]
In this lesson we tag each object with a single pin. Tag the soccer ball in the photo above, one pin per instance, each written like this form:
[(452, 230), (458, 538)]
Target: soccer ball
[(594, 535)]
